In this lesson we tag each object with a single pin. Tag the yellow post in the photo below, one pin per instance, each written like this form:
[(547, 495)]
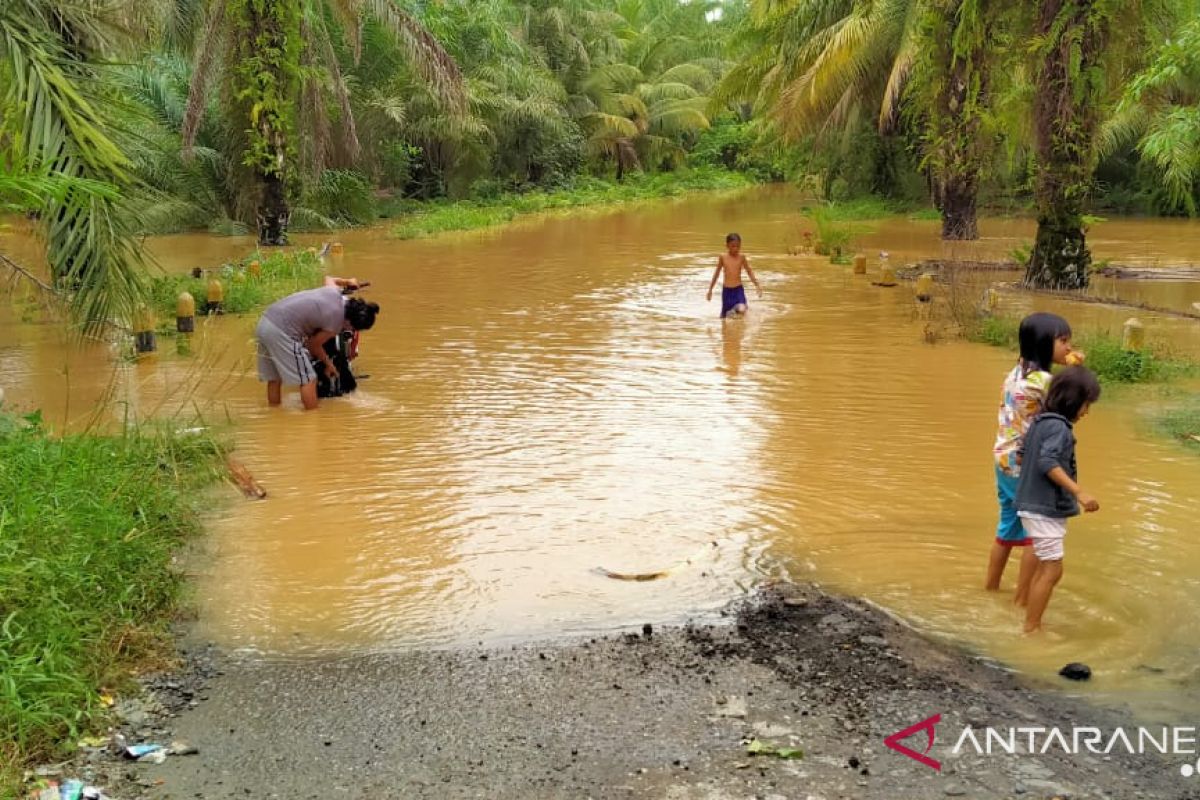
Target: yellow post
[(336, 248), (860, 264), (256, 269), (887, 276), (216, 297), (143, 330), (925, 287), (185, 313), (1134, 335)]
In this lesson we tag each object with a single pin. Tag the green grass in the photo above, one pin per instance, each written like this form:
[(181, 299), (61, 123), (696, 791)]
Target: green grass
[(424, 219), (1181, 422), (88, 527), (868, 208), (1105, 356), (281, 273)]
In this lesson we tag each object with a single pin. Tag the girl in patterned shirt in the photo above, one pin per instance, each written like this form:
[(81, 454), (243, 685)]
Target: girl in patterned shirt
[(1045, 340)]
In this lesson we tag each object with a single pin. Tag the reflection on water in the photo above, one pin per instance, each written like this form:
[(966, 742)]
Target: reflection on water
[(558, 396)]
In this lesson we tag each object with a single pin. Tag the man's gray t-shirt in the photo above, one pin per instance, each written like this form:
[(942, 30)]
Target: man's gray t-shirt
[(302, 314)]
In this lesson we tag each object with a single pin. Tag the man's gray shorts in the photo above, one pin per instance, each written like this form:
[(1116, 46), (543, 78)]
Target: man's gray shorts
[(282, 358)]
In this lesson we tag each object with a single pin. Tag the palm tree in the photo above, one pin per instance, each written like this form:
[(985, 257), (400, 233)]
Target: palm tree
[(279, 53), (56, 130), (1075, 52), (1160, 114), (817, 66)]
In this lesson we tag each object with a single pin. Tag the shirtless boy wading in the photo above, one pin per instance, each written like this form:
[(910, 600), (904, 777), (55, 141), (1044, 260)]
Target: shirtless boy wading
[(732, 262)]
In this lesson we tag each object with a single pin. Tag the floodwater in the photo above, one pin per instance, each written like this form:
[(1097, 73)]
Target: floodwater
[(557, 396)]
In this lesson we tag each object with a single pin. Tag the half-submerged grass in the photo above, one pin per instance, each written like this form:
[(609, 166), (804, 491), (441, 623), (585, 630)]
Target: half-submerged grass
[(278, 275), (424, 219), (88, 527)]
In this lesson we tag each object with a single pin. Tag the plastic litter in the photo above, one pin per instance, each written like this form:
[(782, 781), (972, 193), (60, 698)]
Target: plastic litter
[(136, 752)]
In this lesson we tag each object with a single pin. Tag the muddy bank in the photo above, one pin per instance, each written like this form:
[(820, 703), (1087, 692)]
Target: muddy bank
[(657, 714)]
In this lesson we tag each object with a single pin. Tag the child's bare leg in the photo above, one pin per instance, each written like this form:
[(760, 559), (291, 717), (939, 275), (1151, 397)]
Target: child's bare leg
[(274, 391), (739, 309), (1048, 575), (996, 563), (1028, 569)]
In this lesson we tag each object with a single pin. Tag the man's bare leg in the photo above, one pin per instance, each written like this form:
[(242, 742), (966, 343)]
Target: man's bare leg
[(274, 392)]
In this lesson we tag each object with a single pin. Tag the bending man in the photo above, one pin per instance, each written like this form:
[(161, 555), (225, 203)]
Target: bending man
[(293, 332)]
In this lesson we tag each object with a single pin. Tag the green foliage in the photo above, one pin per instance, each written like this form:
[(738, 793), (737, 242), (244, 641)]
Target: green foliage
[(88, 528), (430, 219), (266, 76), (1181, 421), (280, 275), (343, 196)]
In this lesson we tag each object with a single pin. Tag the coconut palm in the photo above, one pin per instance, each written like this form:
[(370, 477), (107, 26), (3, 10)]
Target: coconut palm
[(56, 129), (273, 59)]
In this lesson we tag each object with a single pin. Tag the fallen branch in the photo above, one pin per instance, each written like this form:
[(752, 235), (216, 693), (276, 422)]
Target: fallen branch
[(244, 480)]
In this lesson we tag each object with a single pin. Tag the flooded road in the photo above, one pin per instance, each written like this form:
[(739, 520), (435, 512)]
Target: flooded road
[(557, 396)]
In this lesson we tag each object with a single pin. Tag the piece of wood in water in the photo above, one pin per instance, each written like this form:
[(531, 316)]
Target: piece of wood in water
[(245, 481)]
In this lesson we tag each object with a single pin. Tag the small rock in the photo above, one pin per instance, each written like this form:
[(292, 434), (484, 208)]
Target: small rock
[(873, 641), (1076, 671), (647, 630), (954, 790), (977, 717), (183, 749), (798, 602), (1020, 788), (734, 707)]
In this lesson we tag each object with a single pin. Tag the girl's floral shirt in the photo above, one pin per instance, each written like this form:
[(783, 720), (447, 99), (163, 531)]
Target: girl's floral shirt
[(1020, 403)]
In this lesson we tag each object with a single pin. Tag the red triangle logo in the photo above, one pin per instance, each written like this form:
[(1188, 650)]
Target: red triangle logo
[(928, 726)]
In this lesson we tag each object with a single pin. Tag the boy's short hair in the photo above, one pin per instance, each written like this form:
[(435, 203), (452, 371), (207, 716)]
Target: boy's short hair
[(1070, 391), (733, 237)]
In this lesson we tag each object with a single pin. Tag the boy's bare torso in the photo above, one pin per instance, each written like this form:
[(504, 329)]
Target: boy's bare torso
[(731, 270)]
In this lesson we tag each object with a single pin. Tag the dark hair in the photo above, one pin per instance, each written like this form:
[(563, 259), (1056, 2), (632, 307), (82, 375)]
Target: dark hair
[(1070, 390), (733, 237), (361, 314), (1037, 335)]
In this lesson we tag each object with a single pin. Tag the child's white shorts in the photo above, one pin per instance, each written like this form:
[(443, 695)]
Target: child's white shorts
[(1047, 534)]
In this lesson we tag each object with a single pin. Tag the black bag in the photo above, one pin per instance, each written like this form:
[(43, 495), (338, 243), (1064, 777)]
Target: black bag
[(337, 348)]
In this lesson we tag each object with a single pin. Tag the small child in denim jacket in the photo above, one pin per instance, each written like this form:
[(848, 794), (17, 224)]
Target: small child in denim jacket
[(1047, 492)]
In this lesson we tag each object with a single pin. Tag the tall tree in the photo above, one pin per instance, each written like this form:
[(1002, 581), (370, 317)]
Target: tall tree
[(951, 97), (279, 52), (1070, 38)]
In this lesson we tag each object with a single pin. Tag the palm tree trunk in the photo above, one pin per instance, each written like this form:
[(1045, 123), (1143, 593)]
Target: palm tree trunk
[(959, 194), (267, 57), (272, 211), (955, 125), (1066, 112)]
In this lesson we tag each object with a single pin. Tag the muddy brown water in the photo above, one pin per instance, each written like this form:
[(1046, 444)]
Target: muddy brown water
[(557, 396)]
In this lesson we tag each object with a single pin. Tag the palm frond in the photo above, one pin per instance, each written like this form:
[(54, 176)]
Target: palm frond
[(426, 54)]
